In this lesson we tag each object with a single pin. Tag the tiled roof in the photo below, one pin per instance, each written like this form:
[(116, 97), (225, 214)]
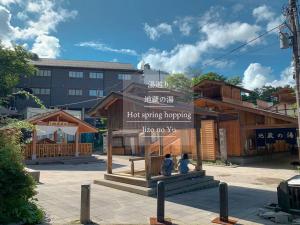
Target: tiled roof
[(82, 64)]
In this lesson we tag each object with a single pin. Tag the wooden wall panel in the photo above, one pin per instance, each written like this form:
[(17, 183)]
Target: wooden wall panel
[(236, 94), (233, 137), (226, 91), (208, 142)]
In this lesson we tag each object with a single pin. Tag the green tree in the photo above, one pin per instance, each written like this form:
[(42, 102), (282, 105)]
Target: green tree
[(236, 80), (17, 188), (14, 64), (181, 83), (264, 93), (208, 76)]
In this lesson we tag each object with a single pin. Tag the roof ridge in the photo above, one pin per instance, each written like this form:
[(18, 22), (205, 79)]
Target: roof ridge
[(81, 60)]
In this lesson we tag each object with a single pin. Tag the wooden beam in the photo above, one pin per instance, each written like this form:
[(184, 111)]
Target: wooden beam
[(147, 140), (197, 125), (269, 126), (161, 143), (109, 151), (77, 143), (34, 140)]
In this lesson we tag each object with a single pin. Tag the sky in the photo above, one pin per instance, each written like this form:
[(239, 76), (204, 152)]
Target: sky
[(172, 35)]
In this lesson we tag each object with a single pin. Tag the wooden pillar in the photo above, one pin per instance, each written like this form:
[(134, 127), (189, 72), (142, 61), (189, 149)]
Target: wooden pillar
[(161, 144), (198, 144), (109, 151), (34, 139), (55, 136), (77, 143), (147, 156)]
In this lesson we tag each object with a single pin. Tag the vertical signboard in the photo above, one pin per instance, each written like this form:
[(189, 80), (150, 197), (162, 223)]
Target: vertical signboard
[(223, 144)]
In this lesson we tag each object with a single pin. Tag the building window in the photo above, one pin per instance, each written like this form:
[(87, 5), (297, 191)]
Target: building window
[(75, 74), (96, 75), (96, 93), (43, 73), (40, 91), (76, 92), (124, 76)]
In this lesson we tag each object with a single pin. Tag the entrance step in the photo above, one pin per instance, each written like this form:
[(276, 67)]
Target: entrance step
[(181, 185), (128, 179)]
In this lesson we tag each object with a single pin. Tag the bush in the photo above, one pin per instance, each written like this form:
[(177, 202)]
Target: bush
[(17, 188)]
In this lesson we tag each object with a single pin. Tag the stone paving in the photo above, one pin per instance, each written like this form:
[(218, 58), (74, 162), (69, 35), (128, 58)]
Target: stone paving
[(250, 188)]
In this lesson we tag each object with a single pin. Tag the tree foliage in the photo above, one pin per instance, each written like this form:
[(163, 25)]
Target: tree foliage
[(181, 83), (14, 64), (264, 93), (236, 80), (17, 188), (208, 76)]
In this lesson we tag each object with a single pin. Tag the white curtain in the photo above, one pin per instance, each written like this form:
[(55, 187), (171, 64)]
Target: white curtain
[(46, 130), (69, 130)]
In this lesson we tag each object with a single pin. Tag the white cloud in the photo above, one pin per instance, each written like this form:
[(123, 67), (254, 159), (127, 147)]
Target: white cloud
[(216, 36), (264, 13), (257, 75), (8, 2), (46, 46), (106, 48), (156, 31), (41, 18), (286, 78), (33, 7), (185, 25), (223, 35), (6, 30)]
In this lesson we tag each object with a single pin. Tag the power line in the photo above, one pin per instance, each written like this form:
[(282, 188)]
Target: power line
[(253, 51), (241, 46)]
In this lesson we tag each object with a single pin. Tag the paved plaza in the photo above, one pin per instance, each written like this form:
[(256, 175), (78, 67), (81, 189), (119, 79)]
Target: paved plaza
[(249, 189)]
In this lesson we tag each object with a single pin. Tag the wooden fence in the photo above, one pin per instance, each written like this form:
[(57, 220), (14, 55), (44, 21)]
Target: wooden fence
[(56, 150)]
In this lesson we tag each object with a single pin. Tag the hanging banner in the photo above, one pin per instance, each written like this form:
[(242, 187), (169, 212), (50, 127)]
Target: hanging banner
[(46, 130), (270, 136)]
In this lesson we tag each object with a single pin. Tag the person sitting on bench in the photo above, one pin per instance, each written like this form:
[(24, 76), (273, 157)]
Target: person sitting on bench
[(167, 165), (183, 165)]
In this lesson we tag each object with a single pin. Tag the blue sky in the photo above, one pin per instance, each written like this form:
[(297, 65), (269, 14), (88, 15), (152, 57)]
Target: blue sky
[(171, 35)]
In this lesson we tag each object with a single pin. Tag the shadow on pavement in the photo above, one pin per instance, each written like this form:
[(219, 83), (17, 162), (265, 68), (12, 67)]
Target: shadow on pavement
[(75, 167), (243, 202)]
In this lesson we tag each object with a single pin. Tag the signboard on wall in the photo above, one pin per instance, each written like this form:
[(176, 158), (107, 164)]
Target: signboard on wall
[(270, 136), (223, 144)]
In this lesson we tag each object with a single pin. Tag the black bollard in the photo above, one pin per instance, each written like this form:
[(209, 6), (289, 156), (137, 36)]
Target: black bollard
[(223, 190), (85, 204), (160, 201)]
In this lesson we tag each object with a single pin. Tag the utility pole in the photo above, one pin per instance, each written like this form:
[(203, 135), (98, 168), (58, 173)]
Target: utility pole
[(293, 25)]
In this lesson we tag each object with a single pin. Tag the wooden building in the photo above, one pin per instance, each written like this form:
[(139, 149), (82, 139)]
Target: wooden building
[(152, 144), (57, 134), (286, 105), (254, 131)]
